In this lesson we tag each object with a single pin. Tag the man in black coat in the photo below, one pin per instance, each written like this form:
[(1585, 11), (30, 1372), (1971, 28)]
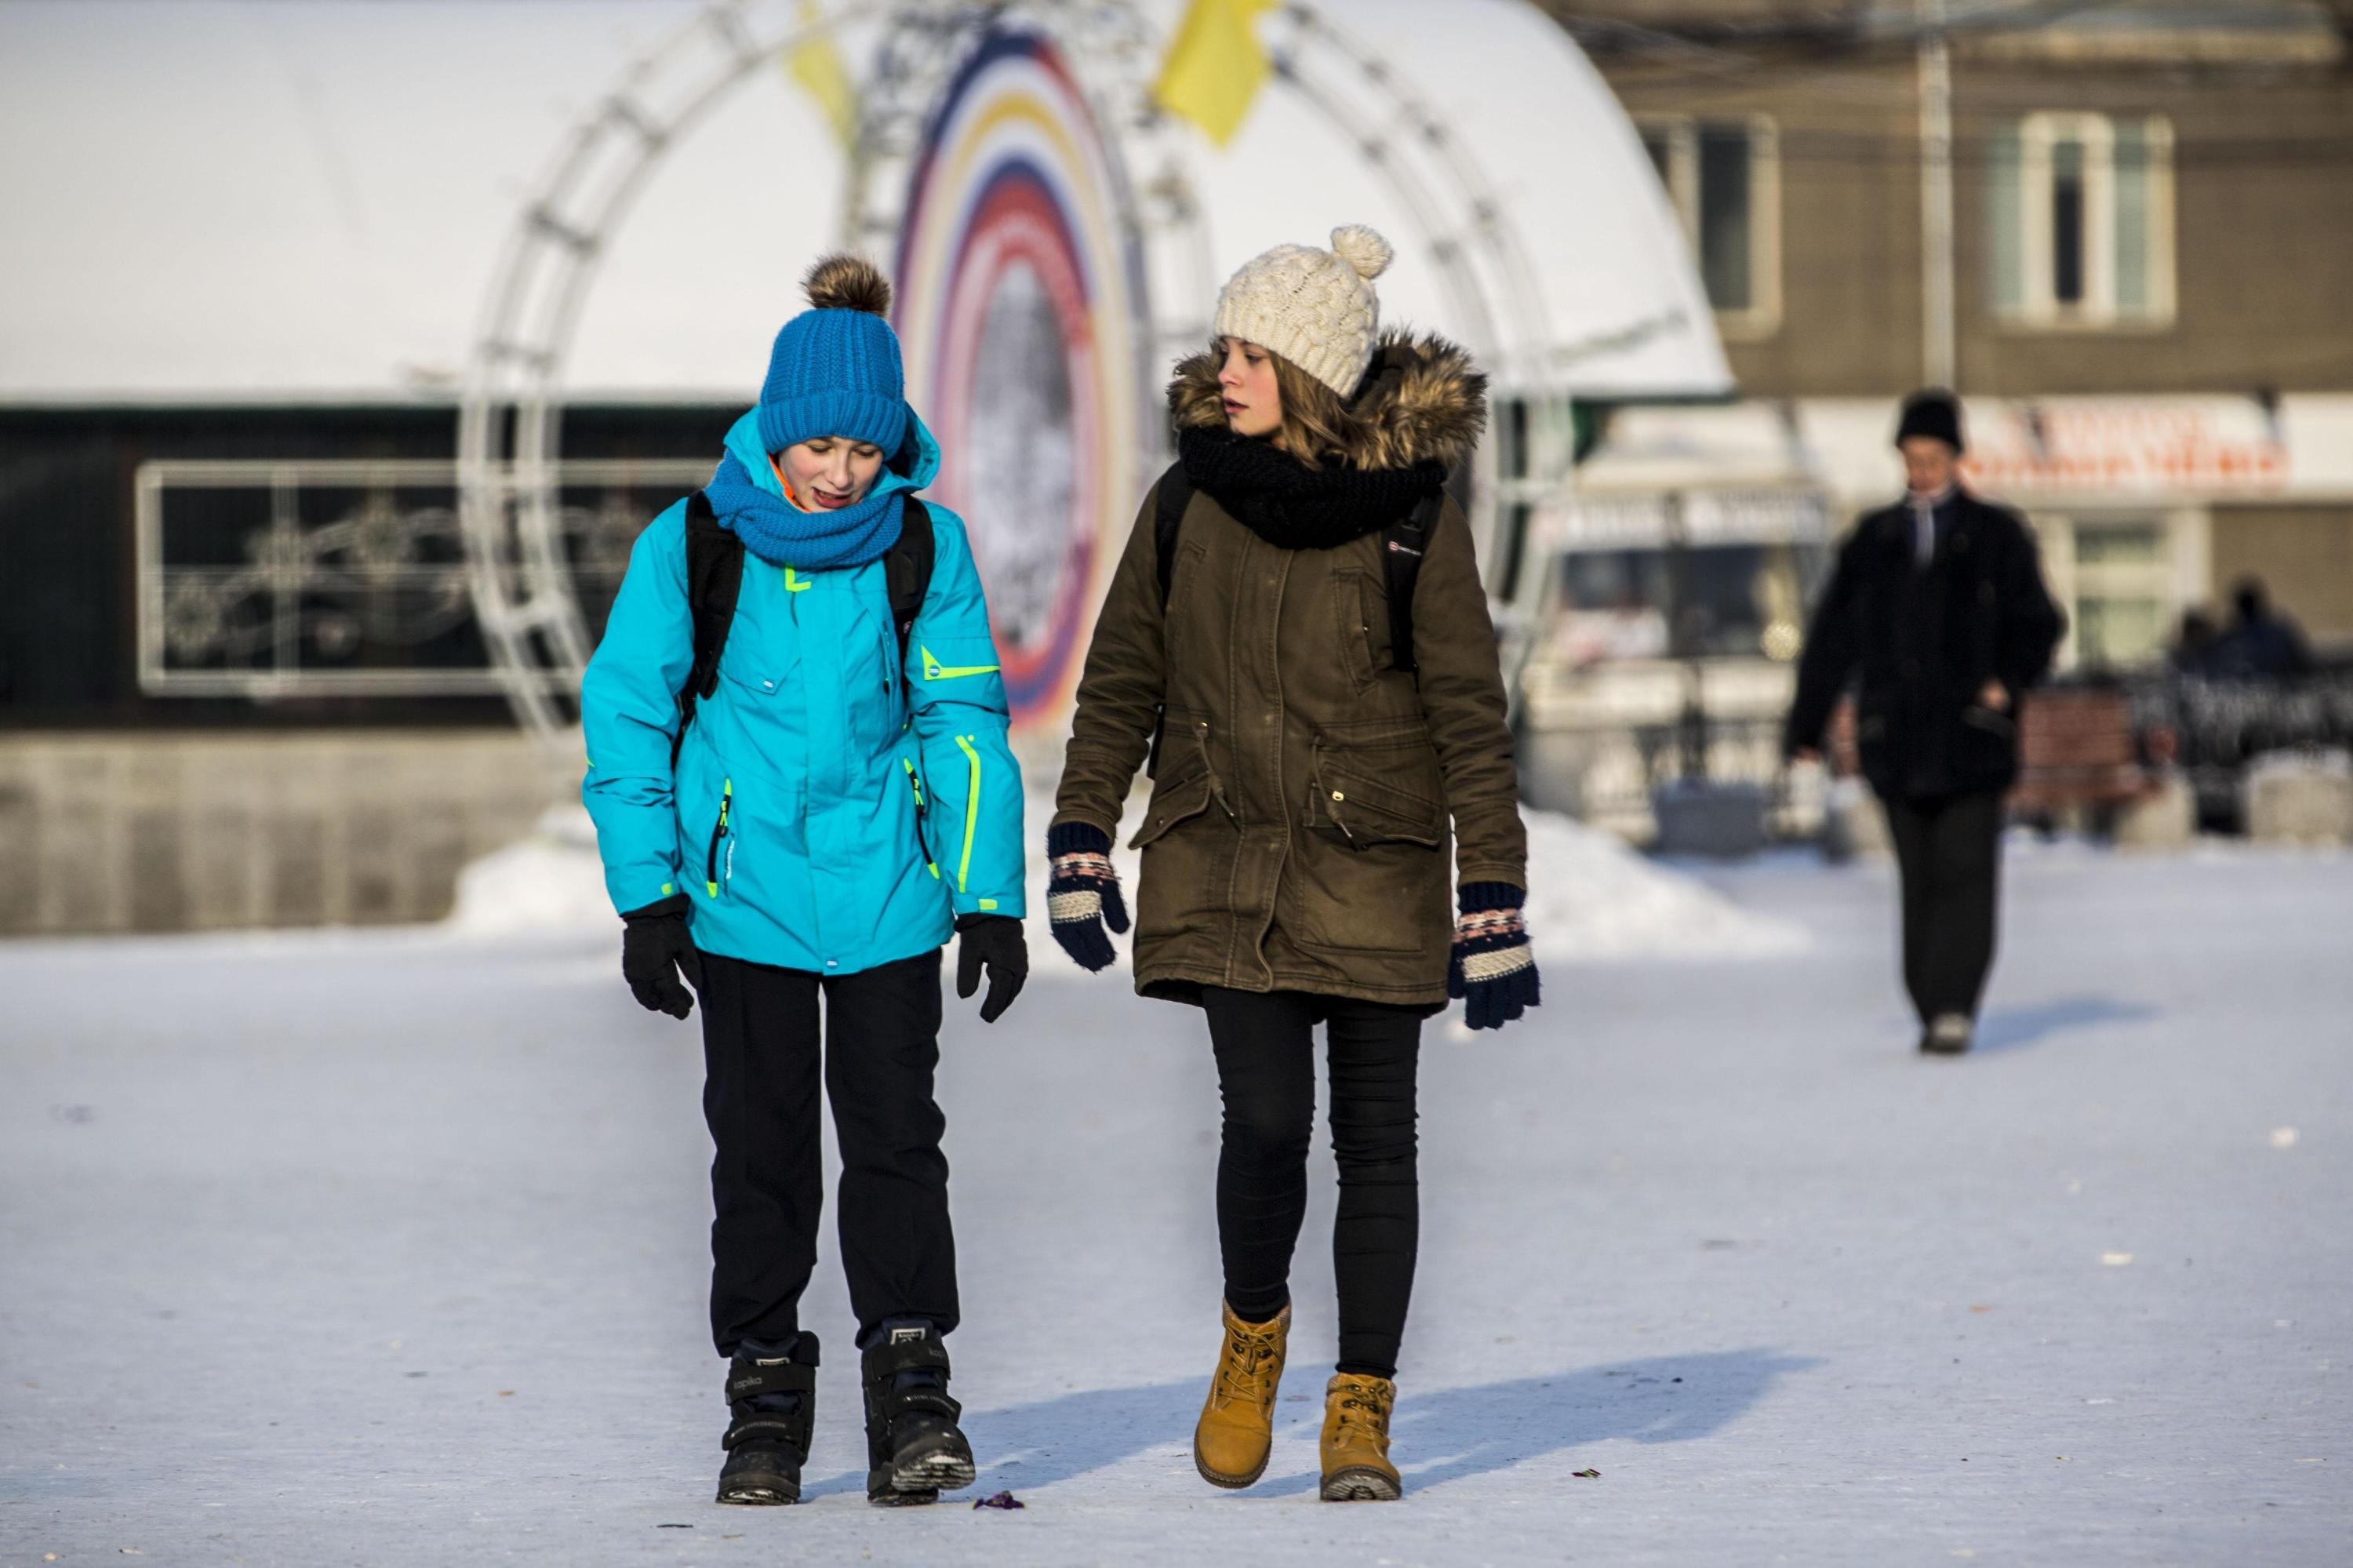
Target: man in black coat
[(1937, 614)]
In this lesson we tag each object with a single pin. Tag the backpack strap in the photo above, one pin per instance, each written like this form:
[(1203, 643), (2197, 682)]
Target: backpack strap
[(1171, 496), (907, 568), (714, 575), (1403, 543), (1174, 494)]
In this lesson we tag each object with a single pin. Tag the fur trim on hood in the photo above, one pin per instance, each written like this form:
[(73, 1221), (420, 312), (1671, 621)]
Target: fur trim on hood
[(1422, 400)]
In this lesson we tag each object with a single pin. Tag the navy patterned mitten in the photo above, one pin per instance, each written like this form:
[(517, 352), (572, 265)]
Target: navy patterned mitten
[(1083, 896), (1493, 969)]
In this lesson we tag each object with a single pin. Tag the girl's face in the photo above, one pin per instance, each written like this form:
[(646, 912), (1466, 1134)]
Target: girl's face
[(830, 473), (1253, 402)]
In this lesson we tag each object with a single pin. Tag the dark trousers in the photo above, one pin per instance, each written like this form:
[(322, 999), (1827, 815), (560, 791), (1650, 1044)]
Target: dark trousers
[(760, 1098), (1266, 1072), (1949, 851)]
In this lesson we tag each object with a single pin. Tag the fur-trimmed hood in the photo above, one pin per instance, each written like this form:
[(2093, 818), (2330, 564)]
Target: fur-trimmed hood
[(1422, 400)]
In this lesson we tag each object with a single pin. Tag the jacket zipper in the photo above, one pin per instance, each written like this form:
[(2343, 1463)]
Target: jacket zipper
[(718, 831), (971, 813), (922, 838)]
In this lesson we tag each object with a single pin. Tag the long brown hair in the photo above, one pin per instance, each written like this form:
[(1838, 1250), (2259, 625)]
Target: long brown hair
[(1314, 420)]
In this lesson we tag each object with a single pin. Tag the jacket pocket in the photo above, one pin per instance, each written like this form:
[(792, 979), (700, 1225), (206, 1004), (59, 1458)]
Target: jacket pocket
[(922, 818), (719, 859)]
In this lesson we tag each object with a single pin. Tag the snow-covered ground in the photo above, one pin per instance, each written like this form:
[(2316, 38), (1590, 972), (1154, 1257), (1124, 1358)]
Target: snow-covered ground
[(389, 1249)]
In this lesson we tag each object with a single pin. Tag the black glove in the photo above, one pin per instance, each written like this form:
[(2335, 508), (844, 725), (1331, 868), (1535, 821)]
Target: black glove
[(1082, 896), (1493, 970), (996, 941), (655, 950)]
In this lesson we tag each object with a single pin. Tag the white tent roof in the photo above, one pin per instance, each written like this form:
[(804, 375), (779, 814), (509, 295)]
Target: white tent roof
[(307, 199)]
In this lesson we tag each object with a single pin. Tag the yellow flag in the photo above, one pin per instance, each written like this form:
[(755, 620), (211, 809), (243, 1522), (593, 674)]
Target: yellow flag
[(816, 65), (1214, 65)]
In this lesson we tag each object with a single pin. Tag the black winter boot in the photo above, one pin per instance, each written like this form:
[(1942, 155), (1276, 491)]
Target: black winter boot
[(914, 1450), (774, 1402)]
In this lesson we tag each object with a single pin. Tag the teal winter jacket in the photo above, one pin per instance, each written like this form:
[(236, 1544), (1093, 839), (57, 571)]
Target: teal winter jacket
[(824, 814)]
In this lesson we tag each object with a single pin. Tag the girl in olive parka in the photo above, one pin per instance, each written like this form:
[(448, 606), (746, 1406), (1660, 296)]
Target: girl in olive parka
[(1307, 785)]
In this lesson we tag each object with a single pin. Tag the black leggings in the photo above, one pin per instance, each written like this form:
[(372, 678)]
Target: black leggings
[(1266, 1070)]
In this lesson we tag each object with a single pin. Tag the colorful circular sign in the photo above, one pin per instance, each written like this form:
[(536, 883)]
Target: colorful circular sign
[(1020, 310)]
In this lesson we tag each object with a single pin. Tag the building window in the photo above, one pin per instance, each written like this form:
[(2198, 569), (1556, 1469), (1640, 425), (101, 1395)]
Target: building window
[(2082, 220), (2121, 580), (1723, 177)]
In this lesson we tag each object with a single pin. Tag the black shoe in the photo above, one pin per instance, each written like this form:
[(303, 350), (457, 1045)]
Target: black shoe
[(774, 1402), (914, 1450)]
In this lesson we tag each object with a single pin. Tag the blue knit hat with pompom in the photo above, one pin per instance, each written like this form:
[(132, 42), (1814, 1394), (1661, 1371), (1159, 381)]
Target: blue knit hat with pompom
[(834, 369)]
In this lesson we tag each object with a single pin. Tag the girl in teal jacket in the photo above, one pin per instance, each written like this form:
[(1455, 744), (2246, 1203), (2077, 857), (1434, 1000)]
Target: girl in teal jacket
[(830, 818)]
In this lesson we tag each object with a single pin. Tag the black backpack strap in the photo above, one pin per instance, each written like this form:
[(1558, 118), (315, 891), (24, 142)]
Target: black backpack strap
[(1402, 545), (1174, 494), (1171, 496), (907, 568), (714, 575)]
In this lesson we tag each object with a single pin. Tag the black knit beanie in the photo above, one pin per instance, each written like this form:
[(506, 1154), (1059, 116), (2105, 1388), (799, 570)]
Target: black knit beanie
[(1934, 412)]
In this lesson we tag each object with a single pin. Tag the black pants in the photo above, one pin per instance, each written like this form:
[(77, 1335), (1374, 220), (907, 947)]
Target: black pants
[(1266, 1070), (1948, 849), (760, 1098)]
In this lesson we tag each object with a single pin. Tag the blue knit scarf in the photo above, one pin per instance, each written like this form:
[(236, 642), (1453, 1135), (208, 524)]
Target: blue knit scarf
[(776, 530)]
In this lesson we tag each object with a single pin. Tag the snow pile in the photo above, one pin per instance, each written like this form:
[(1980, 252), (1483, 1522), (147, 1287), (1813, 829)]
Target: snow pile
[(551, 881), (1592, 898)]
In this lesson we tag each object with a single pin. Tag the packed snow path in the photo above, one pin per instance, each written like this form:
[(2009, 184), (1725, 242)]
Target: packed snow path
[(390, 1249)]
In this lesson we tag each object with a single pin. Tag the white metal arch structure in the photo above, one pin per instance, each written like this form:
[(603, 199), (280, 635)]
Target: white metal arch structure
[(510, 421)]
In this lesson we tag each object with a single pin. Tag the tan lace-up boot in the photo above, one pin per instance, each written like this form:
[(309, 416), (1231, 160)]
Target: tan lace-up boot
[(1356, 1466), (1237, 1425)]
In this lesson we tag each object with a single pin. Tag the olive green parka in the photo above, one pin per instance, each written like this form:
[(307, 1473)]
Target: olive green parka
[(1306, 794)]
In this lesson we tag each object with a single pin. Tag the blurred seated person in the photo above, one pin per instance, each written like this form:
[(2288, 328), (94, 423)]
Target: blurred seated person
[(2194, 642), (2261, 644)]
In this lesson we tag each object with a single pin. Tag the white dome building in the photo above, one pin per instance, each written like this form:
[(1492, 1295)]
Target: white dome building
[(530, 204)]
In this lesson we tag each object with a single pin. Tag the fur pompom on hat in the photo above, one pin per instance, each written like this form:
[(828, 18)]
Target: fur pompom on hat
[(1314, 308), (835, 368)]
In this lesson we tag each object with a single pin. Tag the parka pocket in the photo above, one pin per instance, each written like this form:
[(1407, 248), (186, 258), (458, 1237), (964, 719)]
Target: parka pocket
[(1172, 806), (1372, 863), (1183, 756), (1362, 790), (1354, 604), (1349, 807)]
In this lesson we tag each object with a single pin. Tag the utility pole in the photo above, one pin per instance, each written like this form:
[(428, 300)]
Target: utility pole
[(1938, 356)]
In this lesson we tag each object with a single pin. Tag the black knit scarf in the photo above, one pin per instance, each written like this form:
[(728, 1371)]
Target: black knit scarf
[(1294, 507)]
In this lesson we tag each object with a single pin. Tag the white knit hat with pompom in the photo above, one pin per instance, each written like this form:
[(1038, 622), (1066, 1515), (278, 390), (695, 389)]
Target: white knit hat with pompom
[(1314, 308)]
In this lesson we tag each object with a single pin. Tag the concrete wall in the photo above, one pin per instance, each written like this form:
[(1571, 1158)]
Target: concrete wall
[(179, 832)]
